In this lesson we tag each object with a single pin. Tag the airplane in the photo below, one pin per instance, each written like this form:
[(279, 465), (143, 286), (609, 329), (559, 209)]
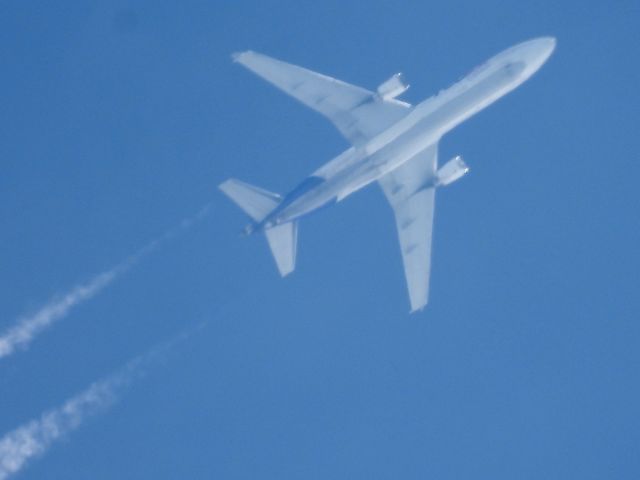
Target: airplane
[(392, 142)]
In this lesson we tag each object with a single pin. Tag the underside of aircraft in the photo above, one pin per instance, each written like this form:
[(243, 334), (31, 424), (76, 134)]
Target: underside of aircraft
[(393, 143)]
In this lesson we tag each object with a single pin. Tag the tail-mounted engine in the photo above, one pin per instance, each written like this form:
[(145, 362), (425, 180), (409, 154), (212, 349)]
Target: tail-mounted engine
[(451, 171), (393, 87)]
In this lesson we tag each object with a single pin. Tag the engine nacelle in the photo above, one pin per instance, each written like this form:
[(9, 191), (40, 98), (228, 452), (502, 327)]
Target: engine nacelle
[(393, 87), (451, 171)]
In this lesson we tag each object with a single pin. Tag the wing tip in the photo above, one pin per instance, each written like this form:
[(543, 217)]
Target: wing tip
[(285, 272), (418, 306), (237, 57), (221, 185)]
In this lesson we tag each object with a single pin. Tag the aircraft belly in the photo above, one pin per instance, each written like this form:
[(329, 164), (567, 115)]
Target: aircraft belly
[(307, 203), (428, 128), (469, 101), (353, 171)]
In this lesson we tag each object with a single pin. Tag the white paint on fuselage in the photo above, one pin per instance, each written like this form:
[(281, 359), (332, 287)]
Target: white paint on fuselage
[(423, 126)]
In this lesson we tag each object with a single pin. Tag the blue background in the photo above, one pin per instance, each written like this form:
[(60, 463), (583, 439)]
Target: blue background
[(120, 118)]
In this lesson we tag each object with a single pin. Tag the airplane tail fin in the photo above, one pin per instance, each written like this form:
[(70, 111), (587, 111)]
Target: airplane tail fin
[(256, 202), (283, 243)]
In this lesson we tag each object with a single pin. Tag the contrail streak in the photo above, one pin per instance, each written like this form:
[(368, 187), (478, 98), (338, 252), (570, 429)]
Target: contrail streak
[(35, 437), (28, 327)]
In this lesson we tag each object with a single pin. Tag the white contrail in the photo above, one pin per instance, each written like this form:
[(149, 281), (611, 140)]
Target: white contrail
[(35, 437), (27, 327)]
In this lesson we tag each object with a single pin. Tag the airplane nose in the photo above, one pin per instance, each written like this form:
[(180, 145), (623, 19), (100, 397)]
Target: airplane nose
[(539, 50), (547, 45), (533, 53)]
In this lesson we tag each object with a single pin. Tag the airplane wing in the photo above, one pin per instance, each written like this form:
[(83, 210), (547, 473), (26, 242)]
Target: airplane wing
[(357, 113), (413, 206)]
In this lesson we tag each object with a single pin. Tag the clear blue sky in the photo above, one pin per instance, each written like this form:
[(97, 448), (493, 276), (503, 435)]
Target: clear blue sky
[(120, 118)]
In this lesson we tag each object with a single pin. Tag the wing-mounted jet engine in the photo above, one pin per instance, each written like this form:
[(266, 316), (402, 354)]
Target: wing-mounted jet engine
[(451, 171), (392, 88)]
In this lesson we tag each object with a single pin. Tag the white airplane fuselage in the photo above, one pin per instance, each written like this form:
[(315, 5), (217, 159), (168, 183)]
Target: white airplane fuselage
[(421, 128)]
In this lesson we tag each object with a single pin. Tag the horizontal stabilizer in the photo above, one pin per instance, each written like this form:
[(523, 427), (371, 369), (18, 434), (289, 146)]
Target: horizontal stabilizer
[(256, 202), (282, 241)]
